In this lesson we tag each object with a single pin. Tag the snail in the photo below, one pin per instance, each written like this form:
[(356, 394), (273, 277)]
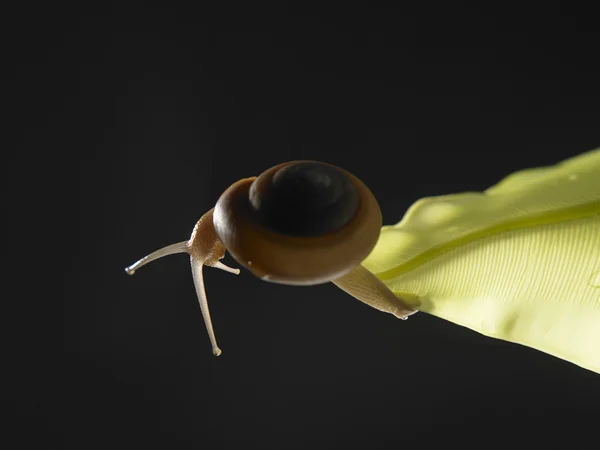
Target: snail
[(298, 223), (519, 261)]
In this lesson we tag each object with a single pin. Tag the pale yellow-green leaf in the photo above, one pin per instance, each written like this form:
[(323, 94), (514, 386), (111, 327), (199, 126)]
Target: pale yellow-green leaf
[(519, 262)]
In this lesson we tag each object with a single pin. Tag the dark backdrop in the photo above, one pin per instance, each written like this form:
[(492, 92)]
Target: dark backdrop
[(131, 120)]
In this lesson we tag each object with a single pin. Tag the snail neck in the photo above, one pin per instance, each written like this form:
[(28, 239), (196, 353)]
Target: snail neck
[(204, 244)]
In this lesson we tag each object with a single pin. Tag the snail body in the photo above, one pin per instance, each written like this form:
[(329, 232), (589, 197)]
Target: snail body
[(298, 223)]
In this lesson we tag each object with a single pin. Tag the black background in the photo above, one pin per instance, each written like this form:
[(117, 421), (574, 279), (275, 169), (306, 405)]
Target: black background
[(130, 121)]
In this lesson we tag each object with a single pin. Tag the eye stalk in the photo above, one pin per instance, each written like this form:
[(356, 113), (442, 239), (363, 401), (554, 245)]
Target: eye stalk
[(298, 223), (205, 249)]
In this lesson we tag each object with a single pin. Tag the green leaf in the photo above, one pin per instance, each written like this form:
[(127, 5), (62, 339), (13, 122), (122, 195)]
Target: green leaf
[(519, 262)]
